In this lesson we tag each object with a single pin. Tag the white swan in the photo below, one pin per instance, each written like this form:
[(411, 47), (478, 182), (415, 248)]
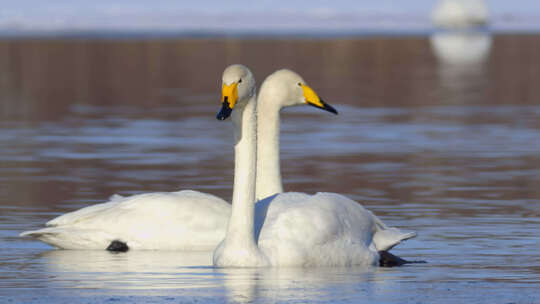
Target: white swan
[(460, 14), (268, 180), (291, 229), (183, 220)]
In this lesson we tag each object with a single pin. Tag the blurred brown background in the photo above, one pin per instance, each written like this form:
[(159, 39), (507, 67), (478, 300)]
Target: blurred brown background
[(41, 78)]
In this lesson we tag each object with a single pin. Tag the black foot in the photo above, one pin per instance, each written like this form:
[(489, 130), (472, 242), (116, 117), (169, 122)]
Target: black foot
[(118, 246), (389, 260)]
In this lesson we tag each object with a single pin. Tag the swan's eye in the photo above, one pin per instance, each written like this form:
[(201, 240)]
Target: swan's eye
[(299, 84), (240, 80)]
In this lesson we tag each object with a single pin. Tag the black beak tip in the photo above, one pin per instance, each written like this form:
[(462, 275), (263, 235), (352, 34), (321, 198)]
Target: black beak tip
[(332, 110), (329, 108), (225, 111)]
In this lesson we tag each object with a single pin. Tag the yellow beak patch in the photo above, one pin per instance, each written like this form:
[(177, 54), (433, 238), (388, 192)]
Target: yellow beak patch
[(311, 97), (229, 93)]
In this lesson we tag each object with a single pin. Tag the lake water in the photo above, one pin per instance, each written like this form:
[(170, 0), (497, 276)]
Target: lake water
[(447, 147)]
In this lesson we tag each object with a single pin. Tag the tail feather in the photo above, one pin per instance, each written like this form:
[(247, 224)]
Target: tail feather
[(386, 239)]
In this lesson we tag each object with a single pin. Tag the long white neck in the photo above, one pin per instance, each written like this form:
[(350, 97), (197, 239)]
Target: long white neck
[(245, 162), (268, 168), (239, 247)]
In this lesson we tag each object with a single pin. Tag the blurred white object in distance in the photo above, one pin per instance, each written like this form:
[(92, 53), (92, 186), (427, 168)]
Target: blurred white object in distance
[(459, 14), (461, 47)]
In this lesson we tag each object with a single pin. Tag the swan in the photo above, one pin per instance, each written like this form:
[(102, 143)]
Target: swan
[(290, 229), (182, 220), (268, 179), (460, 14)]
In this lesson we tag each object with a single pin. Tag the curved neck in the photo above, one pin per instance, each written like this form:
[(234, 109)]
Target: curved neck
[(240, 230), (268, 168)]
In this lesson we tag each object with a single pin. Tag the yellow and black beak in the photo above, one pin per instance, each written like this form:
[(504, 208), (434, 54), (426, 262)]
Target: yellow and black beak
[(229, 97), (313, 99)]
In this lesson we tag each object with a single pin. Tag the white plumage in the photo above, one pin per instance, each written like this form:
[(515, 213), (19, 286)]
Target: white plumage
[(184, 220), (292, 229), (460, 14), (325, 229)]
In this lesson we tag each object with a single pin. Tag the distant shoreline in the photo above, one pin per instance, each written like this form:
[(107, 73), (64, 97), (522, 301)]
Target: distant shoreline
[(106, 35)]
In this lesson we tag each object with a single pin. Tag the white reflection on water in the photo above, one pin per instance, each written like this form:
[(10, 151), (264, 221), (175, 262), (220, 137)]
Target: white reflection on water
[(462, 69), (98, 276), (192, 273), (132, 270), (461, 47)]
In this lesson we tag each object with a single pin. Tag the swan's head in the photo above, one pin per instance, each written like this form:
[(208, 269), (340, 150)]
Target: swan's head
[(286, 88), (238, 86)]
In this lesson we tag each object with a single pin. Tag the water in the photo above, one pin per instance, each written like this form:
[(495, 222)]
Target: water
[(449, 151)]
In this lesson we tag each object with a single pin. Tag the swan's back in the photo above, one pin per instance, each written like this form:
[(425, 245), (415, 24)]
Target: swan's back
[(184, 220), (325, 229), (86, 212)]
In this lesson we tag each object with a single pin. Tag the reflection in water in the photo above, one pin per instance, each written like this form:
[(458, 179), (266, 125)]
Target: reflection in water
[(306, 285), (461, 66), (463, 48), (50, 79), (132, 270), (158, 270)]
